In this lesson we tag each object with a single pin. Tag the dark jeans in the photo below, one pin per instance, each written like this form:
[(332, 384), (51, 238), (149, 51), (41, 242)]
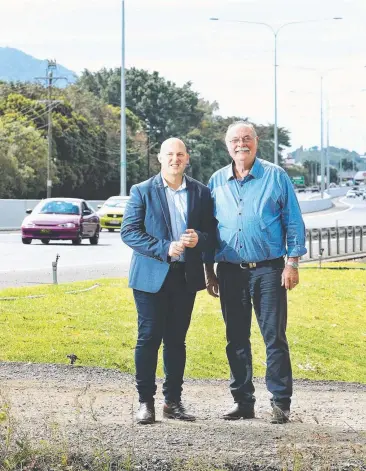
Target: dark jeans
[(260, 287), (163, 316)]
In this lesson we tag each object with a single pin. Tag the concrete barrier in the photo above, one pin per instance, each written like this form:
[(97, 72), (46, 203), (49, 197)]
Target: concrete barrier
[(12, 212), (319, 204), (335, 192), (312, 206)]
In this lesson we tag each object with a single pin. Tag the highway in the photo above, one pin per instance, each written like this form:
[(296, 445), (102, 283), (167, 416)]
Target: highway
[(27, 265), (346, 212)]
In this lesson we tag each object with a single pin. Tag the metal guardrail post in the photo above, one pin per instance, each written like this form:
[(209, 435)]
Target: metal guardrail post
[(321, 250), (354, 239), (310, 245), (320, 257), (338, 241), (361, 239), (54, 269), (345, 240), (329, 242)]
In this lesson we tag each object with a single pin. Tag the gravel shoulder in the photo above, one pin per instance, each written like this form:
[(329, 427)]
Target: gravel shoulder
[(93, 409)]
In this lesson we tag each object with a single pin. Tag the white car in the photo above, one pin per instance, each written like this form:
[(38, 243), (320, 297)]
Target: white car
[(351, 194)]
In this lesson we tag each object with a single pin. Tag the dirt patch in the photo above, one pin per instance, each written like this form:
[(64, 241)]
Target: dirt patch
[(91, 410)]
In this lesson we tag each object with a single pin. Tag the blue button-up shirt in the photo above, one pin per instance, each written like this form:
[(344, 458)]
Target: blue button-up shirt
[(258, 218), (178, 206)]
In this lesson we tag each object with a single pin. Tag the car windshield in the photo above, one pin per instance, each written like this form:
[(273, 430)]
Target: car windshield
[(115, 204), (58, 207)]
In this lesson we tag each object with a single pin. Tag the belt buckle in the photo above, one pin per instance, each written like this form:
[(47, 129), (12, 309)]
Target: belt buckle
[(249, 265)]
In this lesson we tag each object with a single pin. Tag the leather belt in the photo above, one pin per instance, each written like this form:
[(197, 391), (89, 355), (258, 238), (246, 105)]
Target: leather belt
[(275, 262)]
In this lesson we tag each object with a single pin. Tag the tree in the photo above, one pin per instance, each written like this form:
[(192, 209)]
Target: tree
[(23, 161), (348, 165), (87, 139)]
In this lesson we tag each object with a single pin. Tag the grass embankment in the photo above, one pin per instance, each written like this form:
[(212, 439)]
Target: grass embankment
[(326, 327)]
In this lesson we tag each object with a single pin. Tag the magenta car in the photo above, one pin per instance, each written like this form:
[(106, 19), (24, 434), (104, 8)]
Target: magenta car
[(61, 219)]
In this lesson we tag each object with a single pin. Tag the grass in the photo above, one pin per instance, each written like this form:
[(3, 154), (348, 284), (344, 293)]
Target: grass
[(326, 327)]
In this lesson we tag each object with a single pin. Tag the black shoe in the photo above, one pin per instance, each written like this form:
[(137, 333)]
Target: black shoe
[(176, 410), (240, 411), (280, 416), (146, 413)]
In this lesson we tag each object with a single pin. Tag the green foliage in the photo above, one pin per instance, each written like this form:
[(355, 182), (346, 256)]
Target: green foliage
[(23, 154), (86, 144), (85, 160), (166, 110)]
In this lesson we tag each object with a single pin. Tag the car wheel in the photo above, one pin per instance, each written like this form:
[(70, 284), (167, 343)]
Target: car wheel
[(77, 241), (110, 230), (95, 239), (45, 241), (26, 241)]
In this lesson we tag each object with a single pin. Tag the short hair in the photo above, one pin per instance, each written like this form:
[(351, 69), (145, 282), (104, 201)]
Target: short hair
[(241, 123)]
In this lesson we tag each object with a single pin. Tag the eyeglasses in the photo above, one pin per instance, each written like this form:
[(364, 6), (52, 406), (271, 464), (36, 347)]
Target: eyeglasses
[(245, 139)]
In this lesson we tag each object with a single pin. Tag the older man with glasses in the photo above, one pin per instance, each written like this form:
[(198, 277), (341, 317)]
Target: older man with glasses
[(261, 236)]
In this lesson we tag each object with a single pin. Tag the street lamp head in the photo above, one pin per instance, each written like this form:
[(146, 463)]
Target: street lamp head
[(214, 19)]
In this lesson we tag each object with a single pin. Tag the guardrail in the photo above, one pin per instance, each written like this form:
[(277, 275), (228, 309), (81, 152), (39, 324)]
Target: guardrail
[(330, 242)]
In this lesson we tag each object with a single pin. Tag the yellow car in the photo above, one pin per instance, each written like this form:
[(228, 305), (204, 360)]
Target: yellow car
[(111, 212)]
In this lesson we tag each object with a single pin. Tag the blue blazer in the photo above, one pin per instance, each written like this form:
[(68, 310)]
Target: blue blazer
[(147, 229)]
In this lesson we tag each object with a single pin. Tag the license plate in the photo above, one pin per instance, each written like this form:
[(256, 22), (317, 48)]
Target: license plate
[(45, 231), (114, 223)]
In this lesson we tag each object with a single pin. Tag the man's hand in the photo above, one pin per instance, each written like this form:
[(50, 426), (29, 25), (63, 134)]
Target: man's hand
[(189, 239), (290, 277), (212, 283), (176, 249)]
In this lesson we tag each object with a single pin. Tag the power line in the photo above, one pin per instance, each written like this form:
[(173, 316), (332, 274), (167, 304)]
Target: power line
[(26, 131)]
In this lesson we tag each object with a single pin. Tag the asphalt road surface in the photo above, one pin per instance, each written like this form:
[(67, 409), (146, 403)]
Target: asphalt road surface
[(27, 265), (346, 212)]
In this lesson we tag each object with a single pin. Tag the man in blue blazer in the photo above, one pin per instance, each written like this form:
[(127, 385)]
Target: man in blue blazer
[(168, 224)]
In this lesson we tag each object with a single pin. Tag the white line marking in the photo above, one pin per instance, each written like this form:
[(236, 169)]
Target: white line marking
[(331, 213)]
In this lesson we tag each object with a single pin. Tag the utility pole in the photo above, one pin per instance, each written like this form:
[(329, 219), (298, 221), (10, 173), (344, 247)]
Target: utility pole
[(328, 157), (50, 80), (148, 153), (123, 172), (155, 131)]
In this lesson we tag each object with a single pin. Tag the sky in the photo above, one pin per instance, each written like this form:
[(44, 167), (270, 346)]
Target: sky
[(227, 61)]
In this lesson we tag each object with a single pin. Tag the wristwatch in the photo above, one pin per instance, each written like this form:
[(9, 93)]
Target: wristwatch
[(293, 264)]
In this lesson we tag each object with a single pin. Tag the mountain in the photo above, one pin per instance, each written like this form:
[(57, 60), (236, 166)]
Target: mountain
[(16, 65), (336, 155)]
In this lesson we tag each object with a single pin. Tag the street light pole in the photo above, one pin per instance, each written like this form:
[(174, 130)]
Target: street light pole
[(123, 189), (275, 34), (328, 157), (321, 140), (275, 157)]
